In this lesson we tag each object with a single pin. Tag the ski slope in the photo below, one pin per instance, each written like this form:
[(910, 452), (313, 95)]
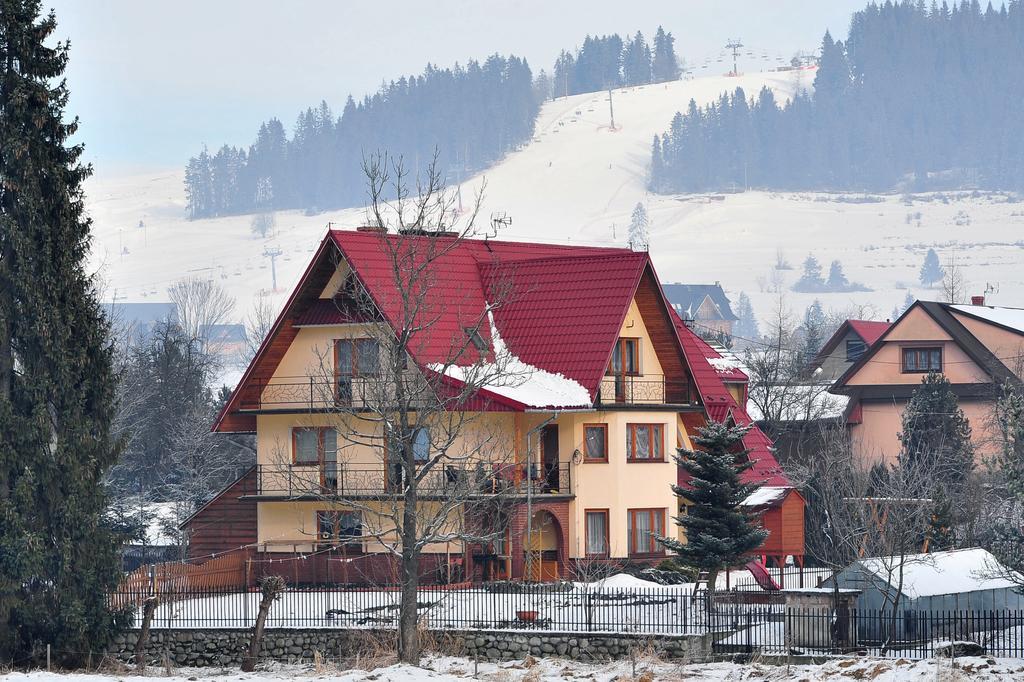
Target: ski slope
[(577, 181)]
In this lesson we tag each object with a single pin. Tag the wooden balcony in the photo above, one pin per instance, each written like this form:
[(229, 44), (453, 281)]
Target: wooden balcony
[(340, 481)]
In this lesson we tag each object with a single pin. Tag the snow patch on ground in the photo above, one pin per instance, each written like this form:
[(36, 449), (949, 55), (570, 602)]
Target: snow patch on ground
[(449, 669)]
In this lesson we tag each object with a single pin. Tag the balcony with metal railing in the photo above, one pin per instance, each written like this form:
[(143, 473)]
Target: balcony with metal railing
[(331, 481), (643, 389), (312, 394)]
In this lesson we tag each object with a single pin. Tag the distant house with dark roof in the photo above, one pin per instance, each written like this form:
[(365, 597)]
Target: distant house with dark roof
[(704, 305), (846, 345), (140, 319)]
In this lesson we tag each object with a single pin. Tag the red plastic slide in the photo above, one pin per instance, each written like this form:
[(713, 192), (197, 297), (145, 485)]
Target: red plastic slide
[(761, 575)]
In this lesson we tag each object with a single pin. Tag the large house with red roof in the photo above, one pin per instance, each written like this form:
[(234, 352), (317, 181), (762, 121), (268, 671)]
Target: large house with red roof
[(610, 382)]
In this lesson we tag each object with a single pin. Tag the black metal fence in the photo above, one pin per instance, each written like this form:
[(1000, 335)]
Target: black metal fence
[(738, 622), (500, 606)]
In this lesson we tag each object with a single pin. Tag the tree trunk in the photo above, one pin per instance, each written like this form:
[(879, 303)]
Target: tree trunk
[(712, 581), (408, 635), (249, 662), (148, 610)]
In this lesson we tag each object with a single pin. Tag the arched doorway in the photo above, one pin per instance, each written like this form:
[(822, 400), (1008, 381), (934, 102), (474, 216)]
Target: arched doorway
[(542, 544)]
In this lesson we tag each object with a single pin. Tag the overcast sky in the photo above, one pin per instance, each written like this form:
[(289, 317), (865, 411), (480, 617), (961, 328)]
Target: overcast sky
[(153, 81)]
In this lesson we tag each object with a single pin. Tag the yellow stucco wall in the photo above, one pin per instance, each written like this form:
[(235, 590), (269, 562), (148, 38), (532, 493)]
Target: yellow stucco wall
[(616, 486)]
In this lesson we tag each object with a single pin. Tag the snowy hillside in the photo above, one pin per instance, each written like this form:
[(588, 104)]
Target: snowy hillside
[(578, 180)]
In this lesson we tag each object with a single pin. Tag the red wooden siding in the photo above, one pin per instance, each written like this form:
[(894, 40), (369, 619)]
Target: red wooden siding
[(226, 522)]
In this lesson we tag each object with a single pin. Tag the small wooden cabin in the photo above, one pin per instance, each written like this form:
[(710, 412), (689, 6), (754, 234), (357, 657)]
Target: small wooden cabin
[(781, 510)]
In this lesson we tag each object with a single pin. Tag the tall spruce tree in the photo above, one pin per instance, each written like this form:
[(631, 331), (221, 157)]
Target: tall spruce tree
[(936, 430), (720, 532), (936, 438), (58, 560)]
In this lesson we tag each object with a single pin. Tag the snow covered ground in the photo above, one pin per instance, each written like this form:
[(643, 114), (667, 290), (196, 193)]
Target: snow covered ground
[(577, 182), (446, 668)]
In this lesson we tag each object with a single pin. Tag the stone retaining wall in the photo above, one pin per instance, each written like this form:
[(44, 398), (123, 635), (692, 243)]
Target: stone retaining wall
[(228, 647), (506, 646)]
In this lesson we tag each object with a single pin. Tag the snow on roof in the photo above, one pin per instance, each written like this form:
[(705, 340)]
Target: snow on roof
[(1008, 317), (938, 573), (519, 381), (765, 496)]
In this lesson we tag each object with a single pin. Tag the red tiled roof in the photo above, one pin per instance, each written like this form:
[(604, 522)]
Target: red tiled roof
[(564, 314), (869, 330), (558, 308), (720, 405)]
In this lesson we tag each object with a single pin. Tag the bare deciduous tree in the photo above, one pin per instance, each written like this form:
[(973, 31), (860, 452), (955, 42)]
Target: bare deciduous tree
[(201, 304), (414, 456), (954, 286)]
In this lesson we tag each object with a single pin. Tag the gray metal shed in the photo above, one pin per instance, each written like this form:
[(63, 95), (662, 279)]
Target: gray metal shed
[(964, 584)]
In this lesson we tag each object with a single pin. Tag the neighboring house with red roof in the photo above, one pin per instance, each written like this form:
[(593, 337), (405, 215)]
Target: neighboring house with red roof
[(612, 384), (846, 346), (977, 347)]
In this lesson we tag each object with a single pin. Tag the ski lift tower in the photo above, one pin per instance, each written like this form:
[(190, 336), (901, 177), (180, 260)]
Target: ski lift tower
[(735, 46)]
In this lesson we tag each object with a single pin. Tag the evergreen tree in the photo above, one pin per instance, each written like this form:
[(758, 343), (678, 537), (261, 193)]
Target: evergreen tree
[(931, 270), (836, 278), (908, 301), (814, 332), (665, 64), (935, 432), (720, 532), (639, 229), (940, 524), (746, 326), (636, 61), (58, 559), (811, 279)]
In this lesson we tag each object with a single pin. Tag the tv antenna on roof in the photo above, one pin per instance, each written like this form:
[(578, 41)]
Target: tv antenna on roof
[(499, 220)]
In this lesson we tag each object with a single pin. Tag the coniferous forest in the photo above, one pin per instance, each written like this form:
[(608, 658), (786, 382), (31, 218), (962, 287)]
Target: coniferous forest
[(917, 97), (611, 62), (472, 115)]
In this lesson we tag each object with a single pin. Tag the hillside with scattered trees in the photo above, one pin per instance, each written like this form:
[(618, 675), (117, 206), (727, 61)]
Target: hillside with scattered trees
[(472, 115), (918, 97)]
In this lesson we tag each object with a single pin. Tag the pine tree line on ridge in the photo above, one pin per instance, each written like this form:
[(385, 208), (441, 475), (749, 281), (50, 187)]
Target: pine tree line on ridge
[(472, 115), (916, 96), (610, 62)]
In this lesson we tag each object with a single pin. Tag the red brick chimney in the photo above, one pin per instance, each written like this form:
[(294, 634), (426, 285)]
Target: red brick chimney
[(977, 300)]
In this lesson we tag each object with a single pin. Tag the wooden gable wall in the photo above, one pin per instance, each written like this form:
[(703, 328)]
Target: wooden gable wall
[(660, 328)]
